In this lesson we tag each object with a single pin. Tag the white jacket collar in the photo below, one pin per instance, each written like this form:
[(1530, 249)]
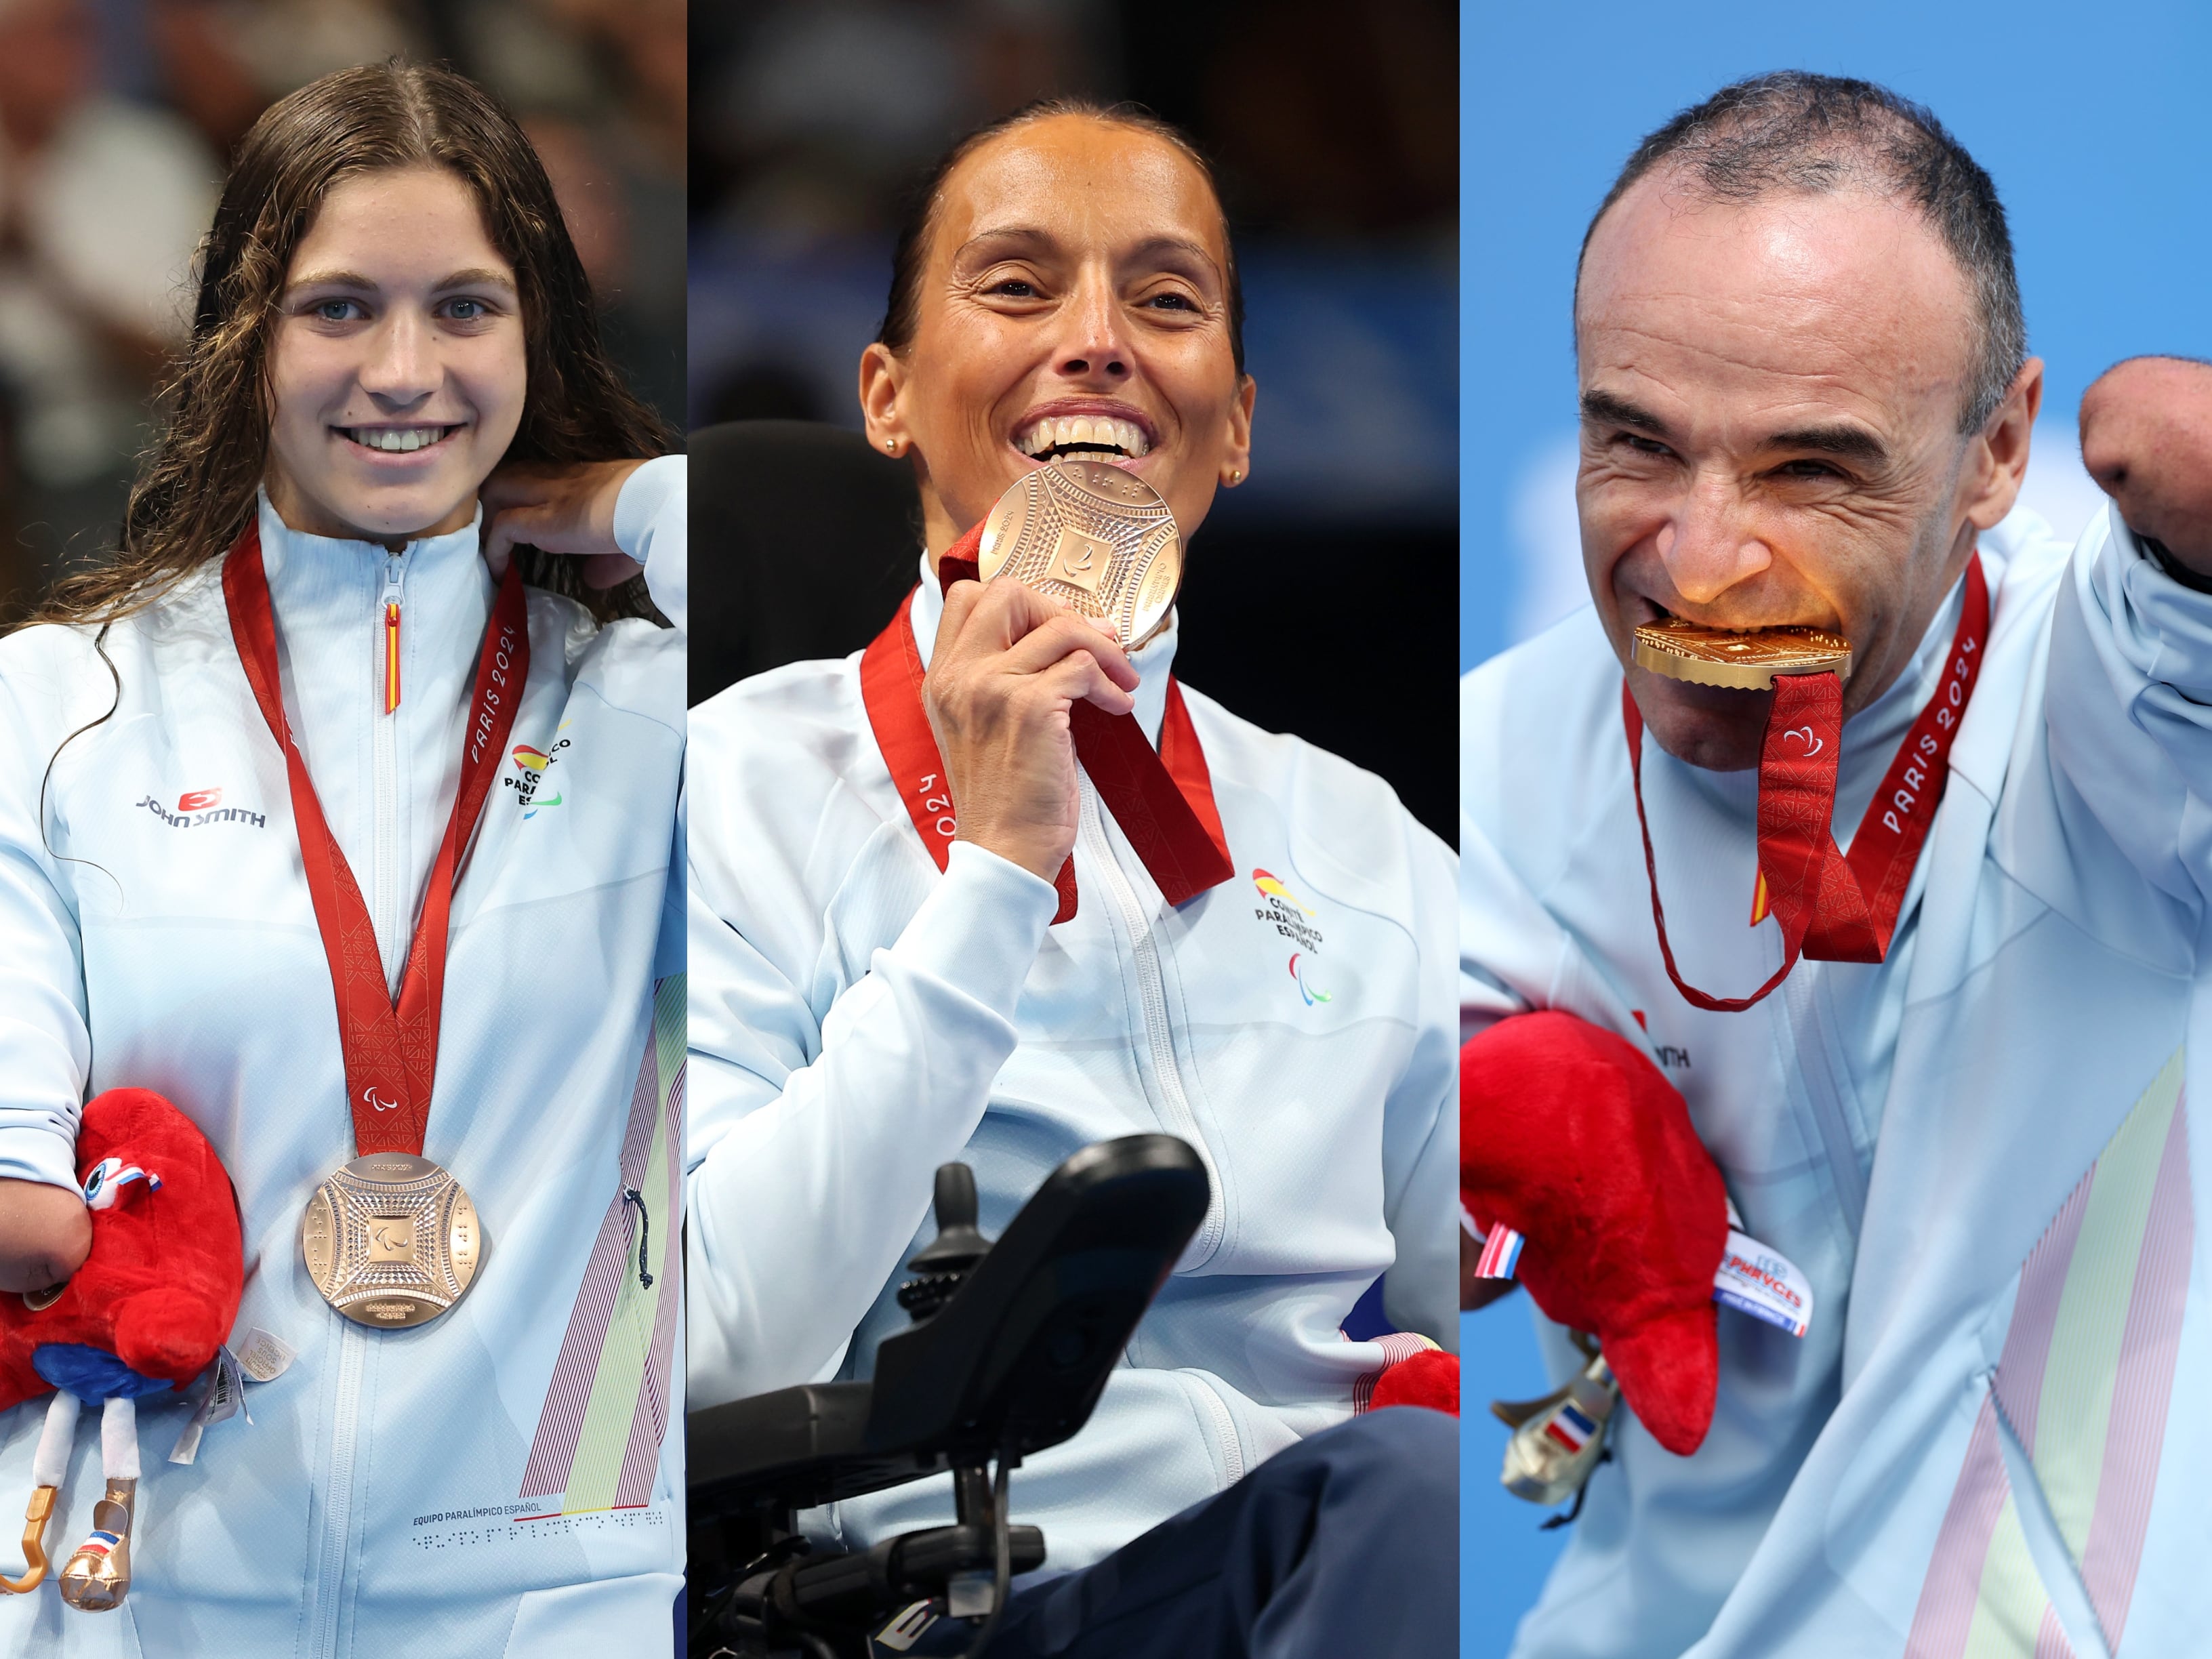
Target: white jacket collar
[(324, 581), (1152, 663)]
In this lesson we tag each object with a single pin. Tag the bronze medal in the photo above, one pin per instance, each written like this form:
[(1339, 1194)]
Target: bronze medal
[(1095, 537), (390, 1240), (1743, 662)]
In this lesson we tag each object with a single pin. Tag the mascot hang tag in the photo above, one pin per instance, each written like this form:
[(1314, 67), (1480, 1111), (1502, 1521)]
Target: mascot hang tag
[(1752, 1278), (1762, 1283), (225, 1397), (260, 1358)]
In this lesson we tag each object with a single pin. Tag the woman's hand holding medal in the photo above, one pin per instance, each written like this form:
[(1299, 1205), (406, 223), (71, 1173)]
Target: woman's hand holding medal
[(563, 510), (1008, 666)]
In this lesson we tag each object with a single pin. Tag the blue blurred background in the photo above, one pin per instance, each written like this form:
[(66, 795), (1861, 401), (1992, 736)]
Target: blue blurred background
[(2091, 119)]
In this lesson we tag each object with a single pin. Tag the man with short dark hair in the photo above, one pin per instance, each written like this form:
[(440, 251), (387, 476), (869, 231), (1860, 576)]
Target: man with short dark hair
[(1806, 412)]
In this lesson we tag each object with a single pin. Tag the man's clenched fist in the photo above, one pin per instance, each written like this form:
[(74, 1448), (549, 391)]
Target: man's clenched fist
[(2147, 438)]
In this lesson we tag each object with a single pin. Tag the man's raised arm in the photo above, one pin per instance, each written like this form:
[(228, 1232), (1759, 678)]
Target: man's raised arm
[(2131, 688)]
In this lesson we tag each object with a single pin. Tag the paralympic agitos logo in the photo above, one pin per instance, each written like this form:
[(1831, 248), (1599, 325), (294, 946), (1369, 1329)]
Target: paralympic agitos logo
[(1295, 921)]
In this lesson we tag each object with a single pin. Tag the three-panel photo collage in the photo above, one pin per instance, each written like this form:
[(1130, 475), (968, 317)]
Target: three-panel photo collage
[(1336, 830)]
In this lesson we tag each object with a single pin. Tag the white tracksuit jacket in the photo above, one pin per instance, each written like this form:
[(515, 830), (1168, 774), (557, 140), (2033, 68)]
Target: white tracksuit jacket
[(858, 1019), (378, 1502), (1972, 1451)]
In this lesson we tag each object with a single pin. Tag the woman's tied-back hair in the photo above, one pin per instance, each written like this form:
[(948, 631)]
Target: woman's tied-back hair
[(916, 225), (195, 492)]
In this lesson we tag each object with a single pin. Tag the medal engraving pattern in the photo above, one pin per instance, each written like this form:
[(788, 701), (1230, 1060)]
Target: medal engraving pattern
[(1098, 539), (390, 1240), (1163, 799)]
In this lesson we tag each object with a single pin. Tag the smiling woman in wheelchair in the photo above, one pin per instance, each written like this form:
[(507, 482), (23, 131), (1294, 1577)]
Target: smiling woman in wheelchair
[(932, 919)]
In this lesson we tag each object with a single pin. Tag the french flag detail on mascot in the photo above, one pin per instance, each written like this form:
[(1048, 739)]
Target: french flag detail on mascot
[(144, 1316)]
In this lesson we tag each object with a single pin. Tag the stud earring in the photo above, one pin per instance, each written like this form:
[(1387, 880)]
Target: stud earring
[(891, 445)]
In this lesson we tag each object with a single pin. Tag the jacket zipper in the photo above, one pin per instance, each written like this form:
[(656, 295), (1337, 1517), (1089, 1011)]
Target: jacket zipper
[(337, 1510), (1152, 991), (1821, 1077), (386, 744), (391, 649), (353, 1340)]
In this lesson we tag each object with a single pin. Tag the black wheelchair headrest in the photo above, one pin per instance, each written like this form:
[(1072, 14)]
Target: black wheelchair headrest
[(804, 541)]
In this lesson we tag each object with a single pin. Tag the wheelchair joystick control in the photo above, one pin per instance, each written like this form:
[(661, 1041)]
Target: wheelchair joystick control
[(944, 1265)]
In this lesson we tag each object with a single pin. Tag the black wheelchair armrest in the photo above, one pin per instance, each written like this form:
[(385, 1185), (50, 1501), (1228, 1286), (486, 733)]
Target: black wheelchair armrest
[(785, 1449)]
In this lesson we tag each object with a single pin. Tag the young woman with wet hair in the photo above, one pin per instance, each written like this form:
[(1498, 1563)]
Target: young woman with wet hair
[(337, 808)]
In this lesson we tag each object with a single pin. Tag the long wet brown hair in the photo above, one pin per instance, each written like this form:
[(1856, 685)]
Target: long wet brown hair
[(194, 494)]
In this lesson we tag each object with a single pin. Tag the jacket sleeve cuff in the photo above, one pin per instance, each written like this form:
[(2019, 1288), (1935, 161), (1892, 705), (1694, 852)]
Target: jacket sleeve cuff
[(2163, 625), (650, 527), (981, 927), (33, 1152)]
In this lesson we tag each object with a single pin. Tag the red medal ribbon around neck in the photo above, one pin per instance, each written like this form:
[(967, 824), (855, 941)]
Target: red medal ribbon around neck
[(390, 1050), (1163, 799), (1833, 908)]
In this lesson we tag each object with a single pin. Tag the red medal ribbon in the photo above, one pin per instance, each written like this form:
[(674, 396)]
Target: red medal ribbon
[(1832, 908), (1163, 800), (391, 1051)]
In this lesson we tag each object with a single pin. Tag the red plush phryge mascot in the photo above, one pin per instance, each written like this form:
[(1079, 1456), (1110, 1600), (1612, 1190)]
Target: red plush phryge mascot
[(1573, 1146), (146, 1314), (1417, 1373)]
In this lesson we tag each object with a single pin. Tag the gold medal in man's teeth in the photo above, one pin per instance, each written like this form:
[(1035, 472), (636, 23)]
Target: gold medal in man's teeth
[(1744, 662)]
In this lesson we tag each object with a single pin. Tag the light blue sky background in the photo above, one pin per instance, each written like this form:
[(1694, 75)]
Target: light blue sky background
[(2094, 121)]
